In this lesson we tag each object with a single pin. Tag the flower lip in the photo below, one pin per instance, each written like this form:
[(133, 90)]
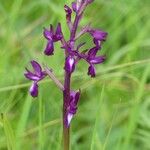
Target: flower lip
[(91, 71), (34, 89), (49, 48)]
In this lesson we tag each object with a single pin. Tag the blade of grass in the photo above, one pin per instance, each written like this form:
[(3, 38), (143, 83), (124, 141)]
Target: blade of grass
[(41, 138), (135, 110), (109, 131), (23, 120), (9, 133), (101, 99)]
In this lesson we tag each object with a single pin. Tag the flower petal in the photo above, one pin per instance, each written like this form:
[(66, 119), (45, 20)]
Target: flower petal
[(47, 34), (98, 34), (75, 96), (58, 34), (49, 48), (68, 12), (31, 76), (92, 52), (91, 71), (69, 64), (37, 68), (97, 60), (34, 89)]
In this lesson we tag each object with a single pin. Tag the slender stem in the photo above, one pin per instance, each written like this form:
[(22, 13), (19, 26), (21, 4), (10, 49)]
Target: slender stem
[(66, 137), (66, 134)]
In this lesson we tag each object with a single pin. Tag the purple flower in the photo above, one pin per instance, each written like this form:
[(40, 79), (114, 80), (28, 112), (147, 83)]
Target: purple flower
[(35, 76), (52, 37), (72, 107), (73, 53), (69, 64)]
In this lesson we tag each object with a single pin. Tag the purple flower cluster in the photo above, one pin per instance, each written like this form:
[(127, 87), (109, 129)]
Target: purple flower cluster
[(73, 54)]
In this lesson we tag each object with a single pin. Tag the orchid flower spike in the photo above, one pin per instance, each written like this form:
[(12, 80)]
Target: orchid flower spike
[(73, 52)]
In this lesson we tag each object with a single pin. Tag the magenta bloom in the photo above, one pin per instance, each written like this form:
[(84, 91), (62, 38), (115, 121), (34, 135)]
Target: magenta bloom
[(73, 53), (35, 76), (52, 37)]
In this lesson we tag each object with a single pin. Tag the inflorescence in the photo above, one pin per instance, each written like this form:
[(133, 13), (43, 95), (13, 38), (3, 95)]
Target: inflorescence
[(73, 54)]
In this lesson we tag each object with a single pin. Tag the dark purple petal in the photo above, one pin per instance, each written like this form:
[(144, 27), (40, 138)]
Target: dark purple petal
[(49, 48), (68, 12), (31, 76), (92, 52), (34, 89), (97, 60), (37, 68), (58, 34), (91, 71), (69, 64), (37, 75), (98, 34), (72, 108), (51, 29), (47, 34), (75, 96)]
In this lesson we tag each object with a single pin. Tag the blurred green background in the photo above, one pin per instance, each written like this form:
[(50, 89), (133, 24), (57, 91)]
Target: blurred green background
[(114, 110)]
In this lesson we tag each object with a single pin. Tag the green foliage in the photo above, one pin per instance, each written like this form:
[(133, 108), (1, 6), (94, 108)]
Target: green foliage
[(114, 111)]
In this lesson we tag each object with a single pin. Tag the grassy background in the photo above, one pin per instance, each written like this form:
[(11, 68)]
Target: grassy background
[(114, 110)]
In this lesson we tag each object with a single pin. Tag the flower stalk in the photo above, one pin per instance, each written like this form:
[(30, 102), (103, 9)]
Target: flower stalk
[(73, 54)]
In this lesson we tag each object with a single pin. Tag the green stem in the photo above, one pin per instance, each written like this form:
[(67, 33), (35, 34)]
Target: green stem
[(66, 137)]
